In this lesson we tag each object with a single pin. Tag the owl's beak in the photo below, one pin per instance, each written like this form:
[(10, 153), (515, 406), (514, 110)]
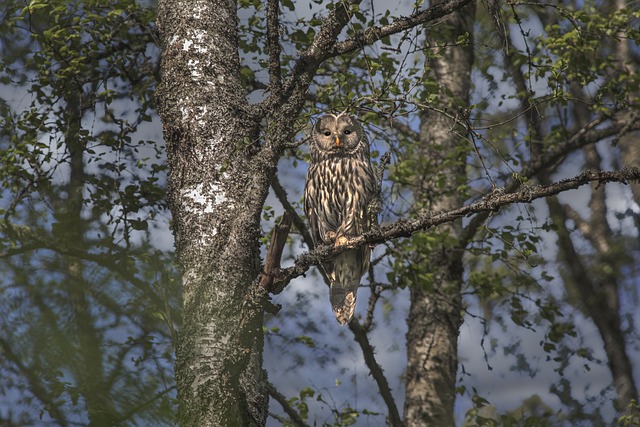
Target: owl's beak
[(337, 141)]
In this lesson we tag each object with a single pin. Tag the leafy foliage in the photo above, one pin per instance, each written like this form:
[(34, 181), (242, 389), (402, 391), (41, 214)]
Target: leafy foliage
[(89, 338), (89, 287)]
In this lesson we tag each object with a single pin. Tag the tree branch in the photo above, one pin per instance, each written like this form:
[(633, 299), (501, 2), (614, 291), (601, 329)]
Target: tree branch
[(425, 220), (311, 58), (274, 254), (32, 239), (324, 45), (587, 135), (299, 223), (367, 351), (293, 415), (273, 39), (373, 34), (39, 390)]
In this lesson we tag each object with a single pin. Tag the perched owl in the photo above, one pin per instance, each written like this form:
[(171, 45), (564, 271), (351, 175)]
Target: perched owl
[(340, 185)]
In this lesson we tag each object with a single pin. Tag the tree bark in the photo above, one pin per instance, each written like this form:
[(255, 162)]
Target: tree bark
[(435, 314), (216, 192)]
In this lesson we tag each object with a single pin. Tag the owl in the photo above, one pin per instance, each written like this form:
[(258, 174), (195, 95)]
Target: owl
[(339, 187)]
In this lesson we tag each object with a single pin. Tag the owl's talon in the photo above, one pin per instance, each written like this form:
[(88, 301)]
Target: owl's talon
[(341, 241), (330, 236)]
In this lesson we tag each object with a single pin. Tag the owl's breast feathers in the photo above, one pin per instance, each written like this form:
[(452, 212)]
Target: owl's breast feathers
[(337, 194)]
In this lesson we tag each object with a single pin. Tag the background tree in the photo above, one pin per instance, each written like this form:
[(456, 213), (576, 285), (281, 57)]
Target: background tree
[(88, 299), (477, 103)]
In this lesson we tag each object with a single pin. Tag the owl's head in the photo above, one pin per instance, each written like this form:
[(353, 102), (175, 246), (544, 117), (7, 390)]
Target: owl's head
[(341, 134)]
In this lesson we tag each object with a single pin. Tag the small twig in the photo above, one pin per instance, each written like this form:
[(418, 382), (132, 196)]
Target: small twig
[(375, 33), (373, 300), (375, 205), (629, 126), (384, 161), (296, 144)]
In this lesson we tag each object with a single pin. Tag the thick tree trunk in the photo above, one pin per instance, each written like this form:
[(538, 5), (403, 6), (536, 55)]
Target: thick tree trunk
[(436, 304), (215, 194)]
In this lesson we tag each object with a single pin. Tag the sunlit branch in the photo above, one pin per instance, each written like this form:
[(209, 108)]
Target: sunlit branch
[(373, 34), (276, 247), (587, 135), (425, 220)]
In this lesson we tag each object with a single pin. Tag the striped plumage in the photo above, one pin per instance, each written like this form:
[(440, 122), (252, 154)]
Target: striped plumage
[(340, 185)]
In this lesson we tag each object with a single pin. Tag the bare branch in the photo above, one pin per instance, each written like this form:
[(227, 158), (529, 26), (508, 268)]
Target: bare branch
[(404, 129), (376, 371), (311, 58), (273, 39), (324, 45), (282, 400), (274, 254), (373, 34), (425, 220), (587, 135), (373, 301)]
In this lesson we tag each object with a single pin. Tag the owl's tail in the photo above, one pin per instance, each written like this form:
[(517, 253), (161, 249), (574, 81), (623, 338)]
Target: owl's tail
[(343, 301), (348, 268)]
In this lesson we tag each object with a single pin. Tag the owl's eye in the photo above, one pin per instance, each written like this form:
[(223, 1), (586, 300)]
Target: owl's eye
[(327, 133), (347, 131)]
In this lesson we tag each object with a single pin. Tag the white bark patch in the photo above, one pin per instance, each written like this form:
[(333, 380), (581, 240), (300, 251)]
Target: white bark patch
[(188, 113), (201, 201), (195, 70), (184, 109), (201, 114), (197, 11), (195, 40)]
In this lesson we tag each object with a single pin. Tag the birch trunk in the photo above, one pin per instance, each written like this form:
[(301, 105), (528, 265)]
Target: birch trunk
[(436, 307), (216, 192)]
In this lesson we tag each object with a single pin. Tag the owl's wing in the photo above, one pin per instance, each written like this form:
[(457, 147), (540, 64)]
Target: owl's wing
[(357, 220), (318, 230), (312, 216), (322, 220)]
